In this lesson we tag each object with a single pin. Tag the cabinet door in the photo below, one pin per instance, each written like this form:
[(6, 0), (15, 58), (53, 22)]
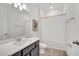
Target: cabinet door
[(28, 49), (35, 52), (28, 54)]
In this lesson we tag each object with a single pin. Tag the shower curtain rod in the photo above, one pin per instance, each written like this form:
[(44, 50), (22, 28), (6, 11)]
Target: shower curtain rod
[(53, 16)]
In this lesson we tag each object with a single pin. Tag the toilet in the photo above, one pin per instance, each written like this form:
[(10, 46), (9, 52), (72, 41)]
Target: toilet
[(42, 48)]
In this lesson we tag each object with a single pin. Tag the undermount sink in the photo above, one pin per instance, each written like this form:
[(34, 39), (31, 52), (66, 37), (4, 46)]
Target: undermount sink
[(22, 41), (19, 42)]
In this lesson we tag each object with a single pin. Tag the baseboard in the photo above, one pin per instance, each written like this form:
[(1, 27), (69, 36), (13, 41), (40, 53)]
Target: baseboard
[(56, 48)]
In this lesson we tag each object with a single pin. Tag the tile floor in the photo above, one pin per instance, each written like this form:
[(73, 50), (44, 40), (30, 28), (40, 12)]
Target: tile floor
[(53, 52)]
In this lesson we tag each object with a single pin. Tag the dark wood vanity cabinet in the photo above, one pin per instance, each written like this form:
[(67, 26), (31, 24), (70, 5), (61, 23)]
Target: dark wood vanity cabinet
[(17, 54), (35, 52), (31, 50)]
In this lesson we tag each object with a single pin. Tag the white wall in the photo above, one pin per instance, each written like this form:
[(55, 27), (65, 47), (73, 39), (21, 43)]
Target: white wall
[(72, 10), (34, 15), (28, 25), (3, 23)]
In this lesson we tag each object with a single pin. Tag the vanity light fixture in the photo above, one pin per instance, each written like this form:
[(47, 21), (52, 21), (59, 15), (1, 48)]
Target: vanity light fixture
[(21, 6)]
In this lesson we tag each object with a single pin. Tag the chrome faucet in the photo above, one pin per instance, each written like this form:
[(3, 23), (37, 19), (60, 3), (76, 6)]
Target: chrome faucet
[(76, 42)]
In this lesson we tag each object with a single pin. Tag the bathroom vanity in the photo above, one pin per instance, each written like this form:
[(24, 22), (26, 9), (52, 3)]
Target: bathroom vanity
[(31, 50), (28, 47)]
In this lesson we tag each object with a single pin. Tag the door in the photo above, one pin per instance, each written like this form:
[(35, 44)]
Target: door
[(3, 23)]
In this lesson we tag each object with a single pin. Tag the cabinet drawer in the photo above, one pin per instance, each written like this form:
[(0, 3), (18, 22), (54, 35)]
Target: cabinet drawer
[(28, 49), (37, 42), (17, 54)]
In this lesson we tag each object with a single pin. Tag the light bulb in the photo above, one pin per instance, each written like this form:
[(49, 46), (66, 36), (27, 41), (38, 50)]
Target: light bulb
[(15, 5), (19, 4), (23, 6), (20, 7)]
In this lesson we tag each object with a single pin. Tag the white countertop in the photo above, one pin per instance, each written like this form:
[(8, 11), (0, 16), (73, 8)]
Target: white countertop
[(11, 48)]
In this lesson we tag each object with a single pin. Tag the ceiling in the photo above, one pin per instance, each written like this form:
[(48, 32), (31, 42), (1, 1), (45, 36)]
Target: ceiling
[(46, 6)]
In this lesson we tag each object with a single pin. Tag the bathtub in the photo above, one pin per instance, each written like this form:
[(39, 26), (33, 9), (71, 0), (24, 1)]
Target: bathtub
[(72, 50)]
